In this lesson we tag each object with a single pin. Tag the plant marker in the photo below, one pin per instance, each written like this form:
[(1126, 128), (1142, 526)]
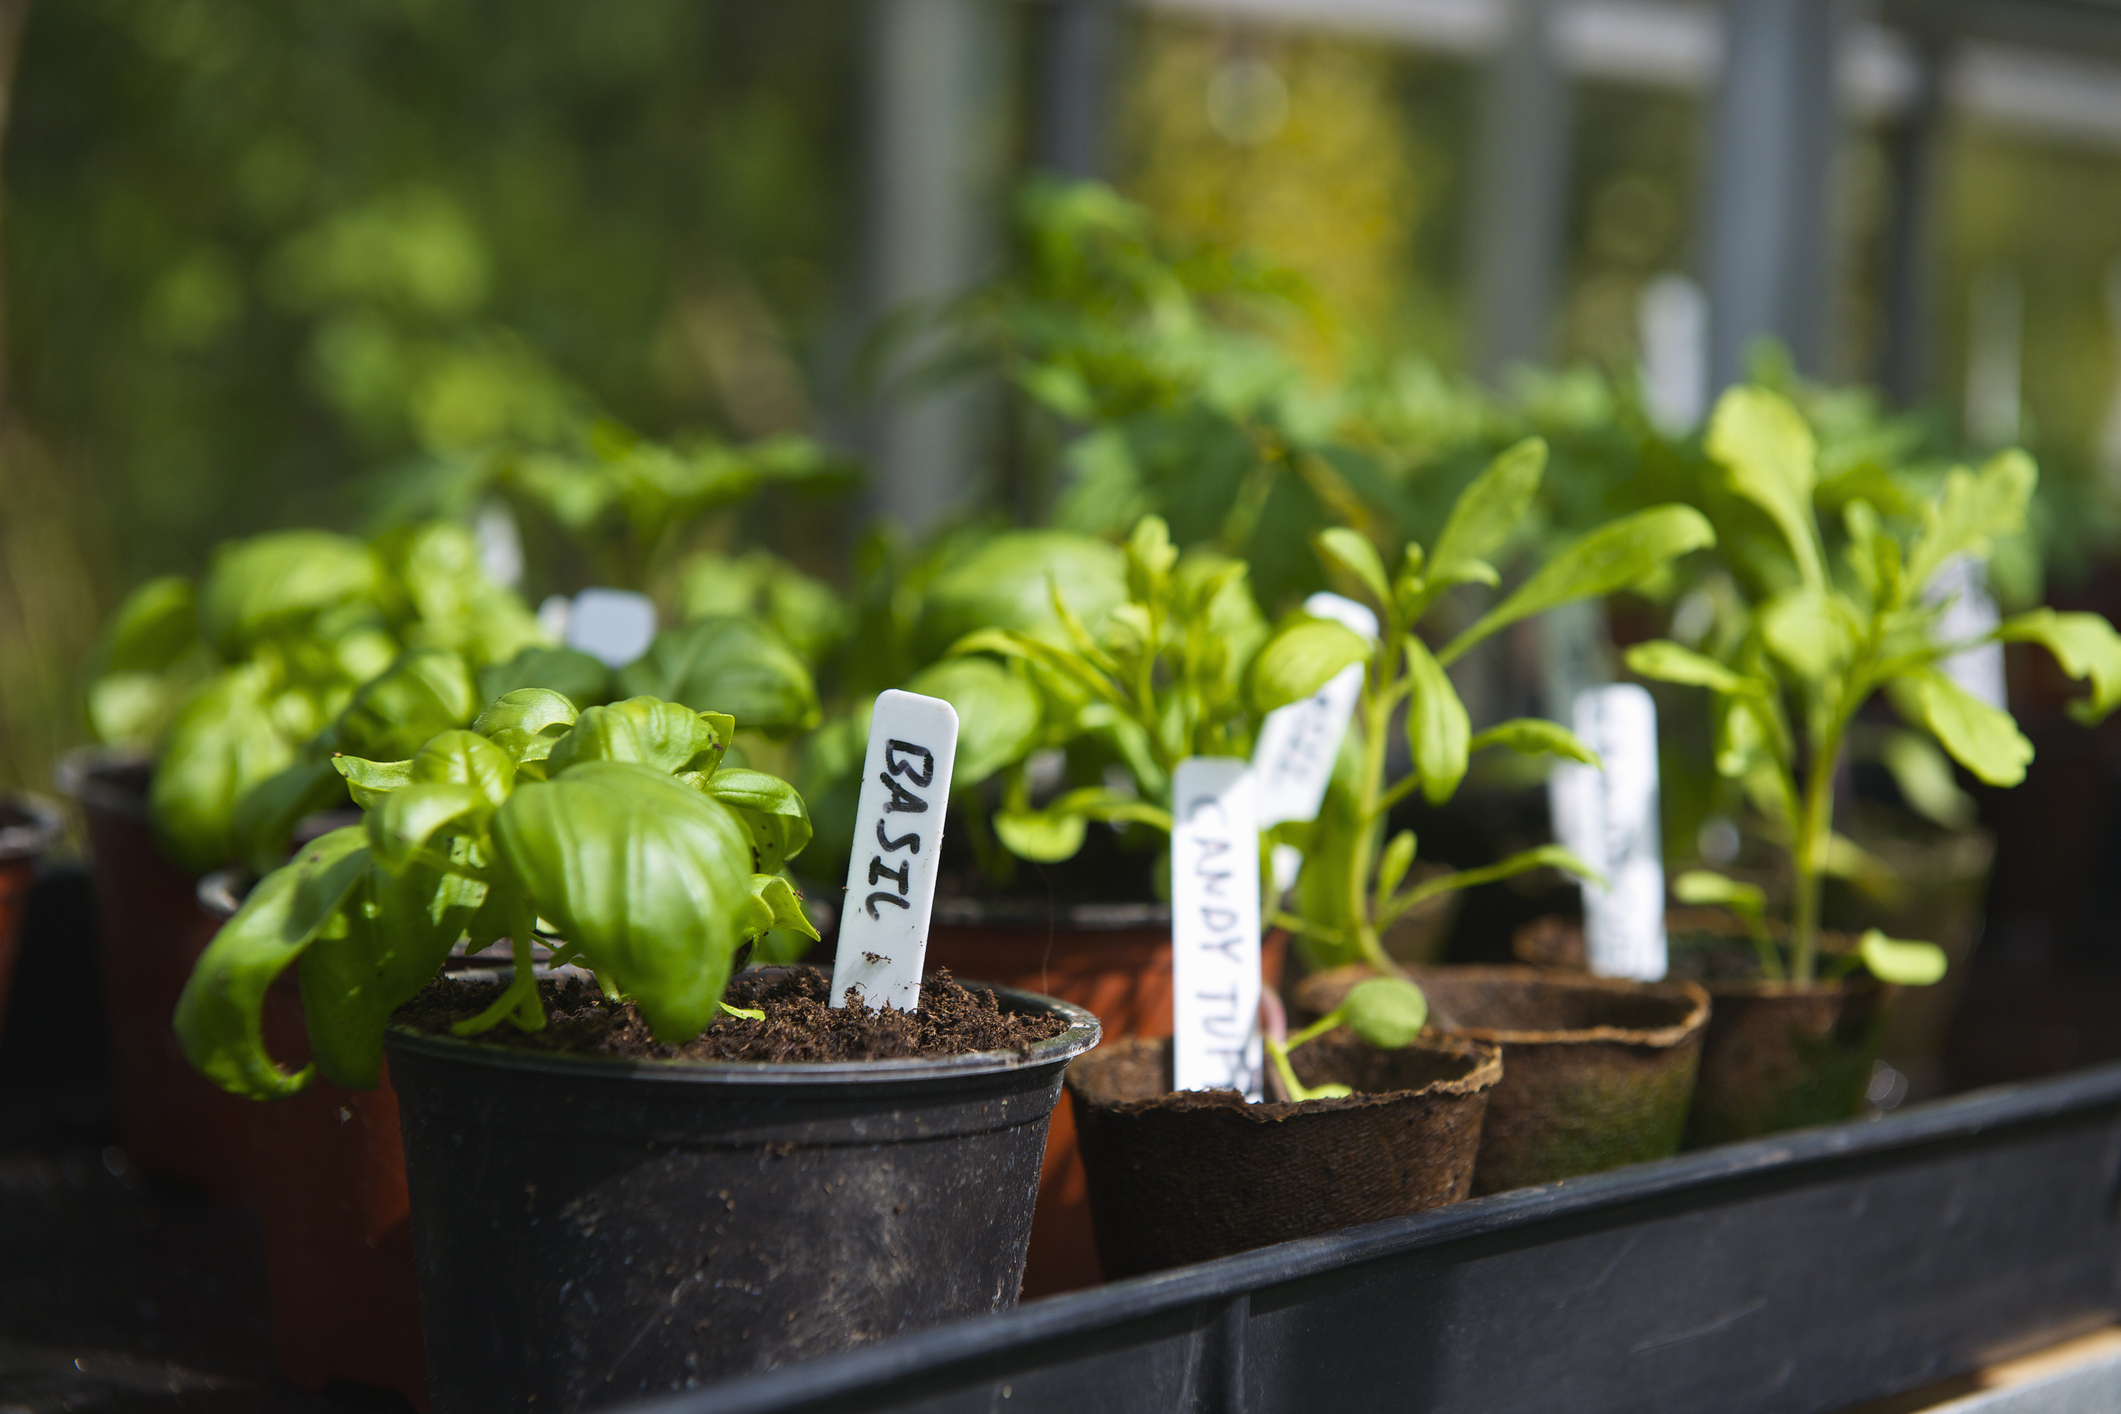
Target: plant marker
[(1298, 743), (1215, 982), (898, 836), (613, 626), (1609, 819)]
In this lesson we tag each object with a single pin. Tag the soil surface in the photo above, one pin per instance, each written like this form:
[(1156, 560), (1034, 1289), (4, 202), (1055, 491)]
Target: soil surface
[(799, 1026)]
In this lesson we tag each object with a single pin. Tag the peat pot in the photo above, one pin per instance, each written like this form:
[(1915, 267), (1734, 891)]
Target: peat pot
[(593, 1230), (1188, 1176), (150, 929), (333, 1213), (1114, 960), (1597, 1072), (28, 828), (1779, 1056)]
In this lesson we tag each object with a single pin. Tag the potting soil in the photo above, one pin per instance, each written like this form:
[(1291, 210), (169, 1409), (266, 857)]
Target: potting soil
[(799, 1026)]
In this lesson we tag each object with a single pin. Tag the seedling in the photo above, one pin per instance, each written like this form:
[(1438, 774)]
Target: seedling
[(616, 830), (1351, 886), (1387, 1013), (1793, 665)]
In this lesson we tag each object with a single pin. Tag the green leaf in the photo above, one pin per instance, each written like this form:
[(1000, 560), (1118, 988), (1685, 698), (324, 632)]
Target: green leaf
[(1910, 964), (998, 712), (1303, 656), (266, 817), (775, 905), (1386, 1012), (578, 677), (649, 878), (1352, 553), (401, 826), (1041, 836), (1532, 736), (424, 692), (466, 759), (1700, 886), (2085, 645), (771, 811), (1488, 511), (155, 626), (1393, 865), (370, 781), (1150, 555), (1981, 738), (219, 1017), (1007, 582), (527, 723), (1611, 558), (1768, 454), (1803, 629), (273, 583), (1925, 780), (733, 665), (666, 737), (1546, 856), (1661, 660), (1972, 512), (1437, 729), (222, 745)]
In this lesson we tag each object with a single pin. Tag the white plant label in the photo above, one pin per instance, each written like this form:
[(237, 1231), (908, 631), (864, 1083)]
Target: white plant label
[(1608, 818), (613, 626), (1971, 613), (898, 834), (1292, 764), (1215, 982)]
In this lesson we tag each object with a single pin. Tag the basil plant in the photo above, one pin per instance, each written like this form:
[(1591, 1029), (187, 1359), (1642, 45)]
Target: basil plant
[(1815, 639), (1350, 889), (617, 834)]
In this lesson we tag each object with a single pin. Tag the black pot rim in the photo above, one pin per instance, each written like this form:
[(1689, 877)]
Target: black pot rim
[(34, 836), (1082, 1033), (82, 776)]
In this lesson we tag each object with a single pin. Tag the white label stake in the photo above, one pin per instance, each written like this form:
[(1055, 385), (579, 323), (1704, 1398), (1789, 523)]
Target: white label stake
[(1215, 982), (1609, 819), (898, 833), (1298, 743)]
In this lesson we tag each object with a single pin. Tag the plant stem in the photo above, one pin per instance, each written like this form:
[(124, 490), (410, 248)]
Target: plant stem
[(1814, 829)]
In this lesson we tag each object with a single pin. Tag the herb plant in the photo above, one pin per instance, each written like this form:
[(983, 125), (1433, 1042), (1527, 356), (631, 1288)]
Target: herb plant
[(1814, 640), (1350, 888), (618, 828), (1387, 1013)]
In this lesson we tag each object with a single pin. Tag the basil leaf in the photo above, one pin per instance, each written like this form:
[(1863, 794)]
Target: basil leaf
[(578, 677), (407, 819), (425, 691), (652, 880), (731, 665), (265, 818), (775, 905), (526, 723), (222, 745), (770, 809), (1007, 582), (370, 781), (155, 626), (999, 712), (270, 583), (667, 737), (466, 759)]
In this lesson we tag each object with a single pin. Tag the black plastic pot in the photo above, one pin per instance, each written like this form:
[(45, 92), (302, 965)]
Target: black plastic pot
[(591, 1231), (1803, 1274)]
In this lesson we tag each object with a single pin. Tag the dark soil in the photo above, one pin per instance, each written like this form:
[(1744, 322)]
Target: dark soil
[(799, 1026)]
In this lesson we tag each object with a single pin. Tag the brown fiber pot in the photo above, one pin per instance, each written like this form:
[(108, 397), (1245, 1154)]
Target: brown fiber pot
[(1597, 1072), (1113, 960), (1779, 1056), (151, 929), (333, 1211), (28, 828), (1187, 1177)]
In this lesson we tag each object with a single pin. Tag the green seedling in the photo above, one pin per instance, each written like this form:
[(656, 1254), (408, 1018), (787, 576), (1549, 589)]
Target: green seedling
[(1386, 1013), (619, 829), (1815, 640)]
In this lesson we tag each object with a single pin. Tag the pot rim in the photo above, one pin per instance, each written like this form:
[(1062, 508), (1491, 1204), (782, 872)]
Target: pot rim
[(1486, 1074), (34, 836), (1760, 988), (1081, 1034), (81, 777), (1660, 1037)]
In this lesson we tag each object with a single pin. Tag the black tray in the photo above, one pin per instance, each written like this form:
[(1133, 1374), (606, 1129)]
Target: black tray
[(1807, 1272)]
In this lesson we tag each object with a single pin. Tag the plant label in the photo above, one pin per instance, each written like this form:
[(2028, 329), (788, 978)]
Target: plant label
[(1609, 819), (1299, 742), (1971, 612), (898, 834), (613, 626), (1215, 982)]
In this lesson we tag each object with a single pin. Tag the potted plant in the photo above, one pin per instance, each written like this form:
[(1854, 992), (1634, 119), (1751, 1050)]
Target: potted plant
[(1593, 1076), (1370, 1120), (1789, 668), (667, 1220)]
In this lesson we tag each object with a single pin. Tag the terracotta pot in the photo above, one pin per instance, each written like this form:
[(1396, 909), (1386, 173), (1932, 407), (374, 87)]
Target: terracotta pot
[(333, 1211), (1597, 1072), (1783, 1057), (28, 828), (1114, 960), (150, 930), (1180, 1177)]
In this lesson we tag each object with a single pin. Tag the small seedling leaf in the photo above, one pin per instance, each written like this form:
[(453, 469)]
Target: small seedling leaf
[(1911, 964), (1386, 1012)]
